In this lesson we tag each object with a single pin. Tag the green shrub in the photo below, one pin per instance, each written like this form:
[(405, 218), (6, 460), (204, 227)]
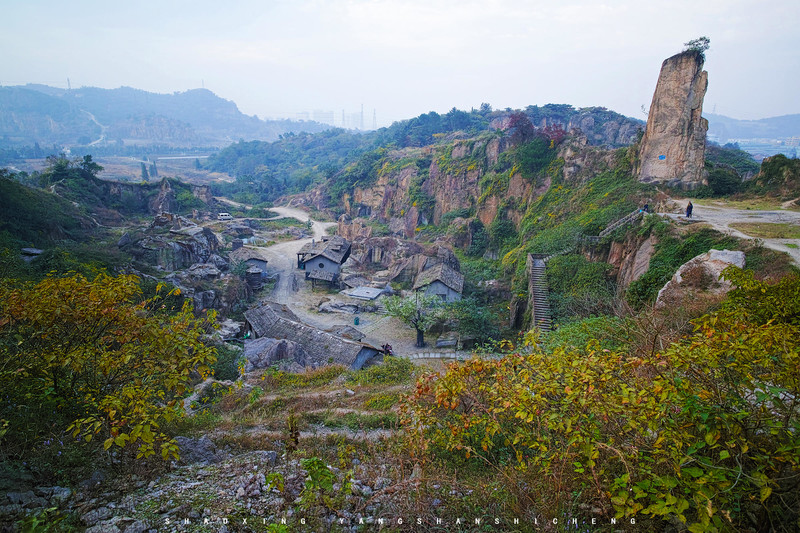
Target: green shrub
[(393, 371), (579, 287), (724, 181), (227, 365)]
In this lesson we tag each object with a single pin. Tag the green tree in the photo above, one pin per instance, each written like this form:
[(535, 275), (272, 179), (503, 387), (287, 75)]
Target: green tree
[(420, 311), (89, 166), (145, 176), (701, 44), (474, 320)]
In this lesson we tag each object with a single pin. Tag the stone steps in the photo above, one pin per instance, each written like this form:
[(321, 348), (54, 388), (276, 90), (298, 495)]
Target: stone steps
[(542, 317)]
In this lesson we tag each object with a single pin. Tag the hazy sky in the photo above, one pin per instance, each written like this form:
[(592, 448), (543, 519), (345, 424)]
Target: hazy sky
[(275, 58)]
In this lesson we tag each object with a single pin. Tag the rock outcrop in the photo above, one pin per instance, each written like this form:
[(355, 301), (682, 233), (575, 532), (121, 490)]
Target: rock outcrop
[(172, 250), (700, 275), (673, 146)]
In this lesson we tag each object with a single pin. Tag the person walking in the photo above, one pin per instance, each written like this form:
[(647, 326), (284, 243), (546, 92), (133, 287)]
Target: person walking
[(689, 208)]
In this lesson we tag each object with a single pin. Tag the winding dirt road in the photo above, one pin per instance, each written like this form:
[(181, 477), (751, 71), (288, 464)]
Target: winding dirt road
[(282, 260), (720, 218)]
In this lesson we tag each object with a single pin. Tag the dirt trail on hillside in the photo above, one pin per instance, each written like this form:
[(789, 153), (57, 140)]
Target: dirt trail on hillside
[(720, 218)]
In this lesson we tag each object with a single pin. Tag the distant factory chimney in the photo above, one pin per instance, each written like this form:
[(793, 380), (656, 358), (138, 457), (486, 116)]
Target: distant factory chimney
[(374, 119)]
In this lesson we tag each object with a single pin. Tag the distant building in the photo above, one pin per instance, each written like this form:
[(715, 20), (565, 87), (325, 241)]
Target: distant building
[(322, 260), (320, 347), (254, 258), (440, 280)]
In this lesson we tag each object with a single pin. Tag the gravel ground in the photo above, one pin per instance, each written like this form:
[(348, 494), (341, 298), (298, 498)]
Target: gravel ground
[(720, 219)]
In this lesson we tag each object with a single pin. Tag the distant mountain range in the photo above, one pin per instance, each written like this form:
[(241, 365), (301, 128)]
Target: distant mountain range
[(726, 128), (49, 116)]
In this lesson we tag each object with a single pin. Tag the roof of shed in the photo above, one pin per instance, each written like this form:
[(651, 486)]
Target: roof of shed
[(441, 272), (334, 248), (321, 346)]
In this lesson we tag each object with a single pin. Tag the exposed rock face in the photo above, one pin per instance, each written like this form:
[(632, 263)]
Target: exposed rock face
[(184, 245), (700, 275), (630, 258), (673, 146), (201, 450), (352, 229)]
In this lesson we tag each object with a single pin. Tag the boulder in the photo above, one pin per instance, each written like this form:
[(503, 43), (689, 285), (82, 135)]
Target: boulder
[(203, 390), (201, 450), (204, 300), (218, 261), (204, 271), (700, 275), (228, 329)]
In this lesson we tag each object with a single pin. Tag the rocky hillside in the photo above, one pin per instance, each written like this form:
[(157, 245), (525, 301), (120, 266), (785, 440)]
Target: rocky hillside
[(46, 115)]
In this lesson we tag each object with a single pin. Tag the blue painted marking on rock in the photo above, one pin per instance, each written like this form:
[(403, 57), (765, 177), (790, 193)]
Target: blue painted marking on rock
[(662, 157)]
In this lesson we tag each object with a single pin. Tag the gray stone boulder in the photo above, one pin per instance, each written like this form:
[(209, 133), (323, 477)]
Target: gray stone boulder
[(204, 300), (700, 276), (218, 261), (204, 271), (201, 450)]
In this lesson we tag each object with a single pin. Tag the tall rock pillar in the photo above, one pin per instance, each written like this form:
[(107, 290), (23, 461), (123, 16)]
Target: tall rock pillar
[(674, 143)]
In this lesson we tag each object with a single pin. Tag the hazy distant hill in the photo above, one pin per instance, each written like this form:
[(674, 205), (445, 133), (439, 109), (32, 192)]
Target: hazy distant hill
[(726, 128), (46, 115)]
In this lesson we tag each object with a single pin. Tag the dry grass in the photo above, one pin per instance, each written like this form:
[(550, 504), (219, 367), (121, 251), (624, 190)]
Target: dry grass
[(755, 204), (768, 230)]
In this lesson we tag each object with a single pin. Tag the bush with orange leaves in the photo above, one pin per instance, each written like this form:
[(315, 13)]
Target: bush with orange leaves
[(706, 431)]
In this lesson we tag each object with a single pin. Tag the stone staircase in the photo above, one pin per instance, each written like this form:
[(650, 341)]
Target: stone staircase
[(630, 218), (542, 317)]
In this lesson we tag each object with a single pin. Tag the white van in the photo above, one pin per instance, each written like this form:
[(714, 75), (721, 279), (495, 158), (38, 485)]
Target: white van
[(224, 216)]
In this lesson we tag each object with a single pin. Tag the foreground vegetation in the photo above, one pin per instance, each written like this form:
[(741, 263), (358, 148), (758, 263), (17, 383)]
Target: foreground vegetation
[(704, 432)]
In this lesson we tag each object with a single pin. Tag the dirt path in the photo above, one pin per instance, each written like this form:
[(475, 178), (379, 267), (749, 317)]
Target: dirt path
[(282, 259), (720, 218)]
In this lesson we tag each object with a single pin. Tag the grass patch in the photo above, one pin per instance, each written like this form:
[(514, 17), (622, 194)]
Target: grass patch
[(353, 421), (792, 245), (393, 371), (278, 379), (768, 230), (382, 402)]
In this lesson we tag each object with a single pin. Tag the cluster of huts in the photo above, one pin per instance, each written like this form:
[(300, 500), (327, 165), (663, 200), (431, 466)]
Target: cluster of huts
[(276, 335)]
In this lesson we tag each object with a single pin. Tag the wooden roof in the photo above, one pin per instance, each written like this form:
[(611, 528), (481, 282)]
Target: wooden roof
[(244, 253), (323, 275), (441, 272), (335, 248), (322, 347)]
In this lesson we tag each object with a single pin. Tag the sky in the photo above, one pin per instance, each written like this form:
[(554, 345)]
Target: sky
[(401, 58)]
